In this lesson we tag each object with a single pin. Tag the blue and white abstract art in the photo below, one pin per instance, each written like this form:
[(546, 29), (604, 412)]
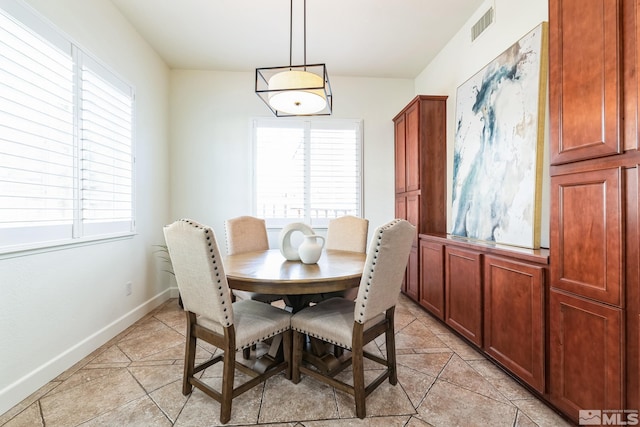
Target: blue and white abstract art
[(499, 145)]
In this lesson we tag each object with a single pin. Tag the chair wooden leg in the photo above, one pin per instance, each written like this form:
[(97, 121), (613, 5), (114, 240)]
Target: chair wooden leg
[(228, 371), (390, 343), (298, 340), (189, 354), (357, 361), (287, 344)]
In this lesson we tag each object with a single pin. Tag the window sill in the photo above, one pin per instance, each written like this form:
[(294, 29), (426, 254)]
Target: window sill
[(58, 245)]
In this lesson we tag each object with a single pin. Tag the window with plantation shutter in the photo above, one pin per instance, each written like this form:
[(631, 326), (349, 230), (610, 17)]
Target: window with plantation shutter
[(106, 153), (307, 170), (66, 147)]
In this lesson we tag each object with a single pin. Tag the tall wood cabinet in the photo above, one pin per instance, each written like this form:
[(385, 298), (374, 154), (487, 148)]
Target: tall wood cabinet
[(594, 301), (420, 173)]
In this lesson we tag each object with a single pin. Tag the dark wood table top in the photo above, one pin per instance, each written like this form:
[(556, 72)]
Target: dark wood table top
[(269, 272)]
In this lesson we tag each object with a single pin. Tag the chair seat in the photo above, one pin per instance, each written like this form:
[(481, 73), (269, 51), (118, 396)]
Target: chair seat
[(254, 322), (331, 321)]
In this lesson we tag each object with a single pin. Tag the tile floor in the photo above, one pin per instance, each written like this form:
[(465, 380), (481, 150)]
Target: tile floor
[(135, 380)]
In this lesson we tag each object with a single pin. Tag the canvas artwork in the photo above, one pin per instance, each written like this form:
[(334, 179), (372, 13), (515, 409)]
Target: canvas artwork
[(499, 146)]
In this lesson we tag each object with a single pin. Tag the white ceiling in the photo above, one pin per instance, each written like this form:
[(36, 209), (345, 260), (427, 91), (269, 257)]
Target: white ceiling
[(365, 38)]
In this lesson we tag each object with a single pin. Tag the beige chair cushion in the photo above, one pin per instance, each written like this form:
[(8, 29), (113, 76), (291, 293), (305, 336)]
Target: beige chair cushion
[(199, 271), (246, 234), (254, 322), (347, 233), (330, 320), (384, 269)]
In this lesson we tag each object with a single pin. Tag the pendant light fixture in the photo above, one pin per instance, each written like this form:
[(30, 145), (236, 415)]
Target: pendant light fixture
[(295, 90)]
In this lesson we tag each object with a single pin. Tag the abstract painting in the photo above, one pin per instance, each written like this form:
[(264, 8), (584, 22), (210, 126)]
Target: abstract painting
[(498, 147)]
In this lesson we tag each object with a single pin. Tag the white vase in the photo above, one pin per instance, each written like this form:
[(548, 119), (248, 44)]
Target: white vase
[(287, 249), (310, 250)]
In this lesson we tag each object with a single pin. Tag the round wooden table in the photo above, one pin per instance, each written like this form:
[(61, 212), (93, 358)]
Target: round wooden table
[(268, 272)]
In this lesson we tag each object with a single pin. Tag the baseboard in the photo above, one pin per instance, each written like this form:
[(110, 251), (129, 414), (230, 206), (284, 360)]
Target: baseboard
[(30, 383)]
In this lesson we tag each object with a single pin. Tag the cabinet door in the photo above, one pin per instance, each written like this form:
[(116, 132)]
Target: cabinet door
[(432, 277), (413, 213), (401, 207), (514, 317), (412, 144), (586, 341), (400, 155), (585, 86), (411, 279), (586, 234), (463, 293)]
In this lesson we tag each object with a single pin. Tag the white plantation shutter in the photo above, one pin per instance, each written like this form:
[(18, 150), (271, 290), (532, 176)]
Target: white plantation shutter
[(36, 137), (65, 138), (307, 171), (335, 170), (106, 153)]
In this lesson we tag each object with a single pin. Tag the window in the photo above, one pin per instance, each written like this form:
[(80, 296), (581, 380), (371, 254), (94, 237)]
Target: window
[(66, 146), (307, 170)]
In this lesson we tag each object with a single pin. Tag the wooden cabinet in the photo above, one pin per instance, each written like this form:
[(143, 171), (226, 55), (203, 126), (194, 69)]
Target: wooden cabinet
[(420, 174), (463, 293), (495, 297), (587, 234), (584, 79), (514, 317), (594, 309), (586, 354), (432, 277)]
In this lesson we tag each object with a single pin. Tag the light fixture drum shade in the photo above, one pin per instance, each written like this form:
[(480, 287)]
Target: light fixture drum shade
[(297, 92)]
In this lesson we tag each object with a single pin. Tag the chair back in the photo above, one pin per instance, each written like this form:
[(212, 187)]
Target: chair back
[(348, 233), (199, 271), (384, 269), (246, 234)]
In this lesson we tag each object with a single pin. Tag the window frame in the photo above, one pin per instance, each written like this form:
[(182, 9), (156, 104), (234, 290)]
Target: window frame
[(79, 234), (299, 122)]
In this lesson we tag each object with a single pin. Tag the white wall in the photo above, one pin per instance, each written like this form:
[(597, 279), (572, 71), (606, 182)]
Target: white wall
[(461, 59), (60, 305), (211, 142)]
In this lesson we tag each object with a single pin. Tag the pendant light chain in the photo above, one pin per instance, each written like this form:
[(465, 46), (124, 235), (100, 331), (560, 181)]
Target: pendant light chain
[(304, 29), (305, 32), (291, 34)]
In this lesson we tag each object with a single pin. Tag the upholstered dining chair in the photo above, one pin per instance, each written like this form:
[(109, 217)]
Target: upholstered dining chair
[(347, 233), (352, 324), (248, 234), (213, 318)]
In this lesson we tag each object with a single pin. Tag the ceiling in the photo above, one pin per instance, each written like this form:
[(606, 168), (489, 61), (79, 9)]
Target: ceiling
[(364, 38)]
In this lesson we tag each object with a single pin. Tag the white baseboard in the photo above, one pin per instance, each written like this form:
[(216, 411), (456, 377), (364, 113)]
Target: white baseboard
[(30, 383)]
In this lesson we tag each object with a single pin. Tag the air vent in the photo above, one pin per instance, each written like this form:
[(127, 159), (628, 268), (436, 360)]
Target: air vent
[(482, 24)]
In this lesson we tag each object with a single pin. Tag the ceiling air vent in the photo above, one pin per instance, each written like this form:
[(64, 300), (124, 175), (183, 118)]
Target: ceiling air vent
[(482, 24)]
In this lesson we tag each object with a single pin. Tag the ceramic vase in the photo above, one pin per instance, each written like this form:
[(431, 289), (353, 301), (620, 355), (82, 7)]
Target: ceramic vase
[(310, 249), (287, 249)]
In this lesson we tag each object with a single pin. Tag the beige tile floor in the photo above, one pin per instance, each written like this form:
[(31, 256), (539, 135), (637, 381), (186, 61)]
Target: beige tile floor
[(135, 380)]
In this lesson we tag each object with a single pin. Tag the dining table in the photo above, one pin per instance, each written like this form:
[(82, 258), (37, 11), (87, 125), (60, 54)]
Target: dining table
[(269, 272)]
